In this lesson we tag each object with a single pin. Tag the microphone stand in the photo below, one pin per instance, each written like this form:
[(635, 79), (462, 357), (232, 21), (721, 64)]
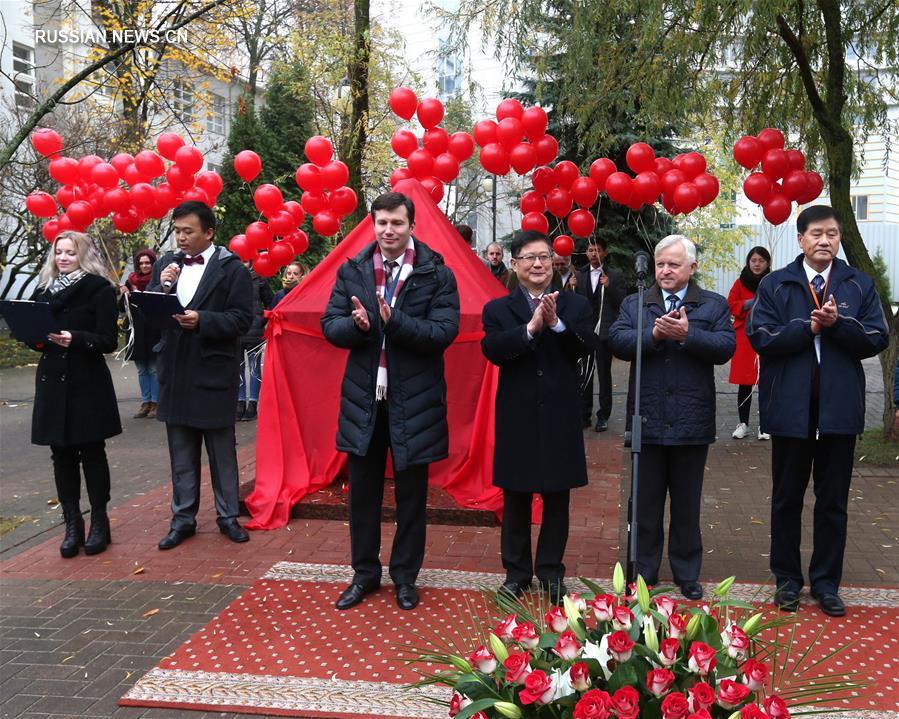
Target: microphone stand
[(636, 438)]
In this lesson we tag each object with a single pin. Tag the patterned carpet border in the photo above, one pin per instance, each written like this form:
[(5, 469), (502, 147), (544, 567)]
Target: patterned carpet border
[(455, 579)]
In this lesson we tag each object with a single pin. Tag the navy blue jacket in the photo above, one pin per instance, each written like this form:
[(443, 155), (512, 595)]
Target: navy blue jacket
[(677, 397), (779, 328)]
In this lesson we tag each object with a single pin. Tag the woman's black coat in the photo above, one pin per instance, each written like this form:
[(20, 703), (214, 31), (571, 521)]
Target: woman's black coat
[(74, 399), (145, 336)]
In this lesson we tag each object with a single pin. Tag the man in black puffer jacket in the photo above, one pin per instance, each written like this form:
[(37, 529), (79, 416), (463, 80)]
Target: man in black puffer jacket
[(686, 331), (395, 306)]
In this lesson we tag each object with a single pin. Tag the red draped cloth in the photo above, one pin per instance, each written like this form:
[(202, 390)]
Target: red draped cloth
[(298, 404)]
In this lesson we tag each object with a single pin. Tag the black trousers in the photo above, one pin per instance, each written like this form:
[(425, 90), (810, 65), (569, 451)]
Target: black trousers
[(515, 537), (676, 471), (828, 460), (68, 463), (367, 495), (603, 371), (185, 445)]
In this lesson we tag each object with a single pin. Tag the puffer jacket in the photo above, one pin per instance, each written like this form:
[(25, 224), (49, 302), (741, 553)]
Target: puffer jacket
[(423, 323), (677, 394)]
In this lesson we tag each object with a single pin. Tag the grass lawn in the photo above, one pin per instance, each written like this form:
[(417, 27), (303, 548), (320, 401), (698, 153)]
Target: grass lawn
[(873, 450), (15, 354)]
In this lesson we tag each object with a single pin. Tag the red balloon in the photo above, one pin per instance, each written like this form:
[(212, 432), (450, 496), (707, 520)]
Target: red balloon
[(510, 107), (671, 179), (646, 187), (64, 170), (247, 165), (523, 157), (398, 175), (775, 164), (296, 209), (795, 159), (748, 151), (168, 144), (282, 252), (404, 143), (190, 158), (65, 223), (282, 223), (484, 132), (133, 176), (640, 157), (143, 196), (430, 113), (343, 201), (147, 162), (584, 191), (420, 163), (241, 247), (662, 165), (313, 202), (495, 159), (446, 167), (86, 165), (777, 208), (757, 187), (67, 194), (335, 174), (563, 245), (326, 223), (581, 223), (403, 102), (543, 179), (692, 164), (686, 197), (121, 160), (117, 199), (814, 187), (264, 266), (532, 201), (50, 230), (434, 188), (127, 221), (210, 181), (509, 132), (534, 122), (435, 141), (259, 235), (319, 150), (535, 221), (547, 149), (179, 178), (794, 184), (600, 169), (41, 204), (668, 203), (558, 202), (299, 240), (566, 173), (309, 178), (165, 195), (104, 175), (268, 199), (461, 145), (197, 194), (771, 139), (46, 141), (619, 187), (708, 188)]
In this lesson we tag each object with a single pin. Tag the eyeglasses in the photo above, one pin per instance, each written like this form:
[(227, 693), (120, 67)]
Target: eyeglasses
[(544, 259)]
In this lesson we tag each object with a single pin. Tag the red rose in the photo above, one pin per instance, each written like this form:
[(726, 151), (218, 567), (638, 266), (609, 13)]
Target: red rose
[(526, 635), (675, 706), (702, 658), (579, 676), (567, 647), (677, 626), (620, 646), (538, 688), (701, 696), (668, 651), (505, 628), (626, 703), (731, 694), (701, 714), (602, 607), (579, 602), (483, 660), (659, 681), (595, 704), (752, 711), (556, 619), (736, 641), (666, 606), (622, 617), (755, 674), (776, 707), (517, 666), (458, 703)]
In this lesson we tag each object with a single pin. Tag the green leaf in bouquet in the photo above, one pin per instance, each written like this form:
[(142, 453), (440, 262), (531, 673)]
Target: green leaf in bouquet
[(738, 604), (593, 587), (461, 664), (475, 707), (548, 640), (625, 675)]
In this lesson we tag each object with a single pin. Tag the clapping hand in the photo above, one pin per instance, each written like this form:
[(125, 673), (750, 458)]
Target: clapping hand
[(826, 316), (360, 315), (383, 308), (673, 326), (548, 307)]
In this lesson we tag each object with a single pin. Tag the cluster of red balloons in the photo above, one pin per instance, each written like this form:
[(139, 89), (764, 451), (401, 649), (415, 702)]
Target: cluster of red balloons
[(783, 178), (438, 158), (92, 188), (516, 141), (274, 244), (556, 190), (323, 182)]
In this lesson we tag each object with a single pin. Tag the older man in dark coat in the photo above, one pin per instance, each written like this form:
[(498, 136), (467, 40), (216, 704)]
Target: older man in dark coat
[(536, 338), (197, 370), (687, 331), (395, 306)]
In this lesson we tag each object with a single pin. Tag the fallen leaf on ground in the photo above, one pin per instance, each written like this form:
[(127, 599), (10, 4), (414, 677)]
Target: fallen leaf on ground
[(151, 613), (139, 570)]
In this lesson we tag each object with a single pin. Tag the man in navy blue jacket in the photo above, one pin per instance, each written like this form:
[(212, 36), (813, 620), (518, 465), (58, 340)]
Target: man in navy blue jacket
[(812, 323)]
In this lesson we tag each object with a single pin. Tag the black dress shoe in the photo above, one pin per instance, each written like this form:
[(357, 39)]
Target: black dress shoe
[(556, 589), (233, 530), (691, 590), (787, 599), (601, 425), (830, 603), (406, 596), (353, 594), (513, 588), (175, 537)]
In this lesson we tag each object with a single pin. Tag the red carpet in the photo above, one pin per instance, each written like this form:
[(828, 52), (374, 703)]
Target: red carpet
[(281, 648)]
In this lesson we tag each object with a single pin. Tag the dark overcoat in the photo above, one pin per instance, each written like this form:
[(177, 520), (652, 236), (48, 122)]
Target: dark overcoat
[(610, 299), (198, 369), (262, 298), (74, 399), (677, 394), (779, 329), (423, 323), (539, 443), (146, 337)]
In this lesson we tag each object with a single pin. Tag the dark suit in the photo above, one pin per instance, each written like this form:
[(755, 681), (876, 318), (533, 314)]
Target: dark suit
[(608, 301), (198, 382), (539, 445)]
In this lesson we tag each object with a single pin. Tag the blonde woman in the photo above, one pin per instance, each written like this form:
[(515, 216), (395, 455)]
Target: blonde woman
[(75, 408)]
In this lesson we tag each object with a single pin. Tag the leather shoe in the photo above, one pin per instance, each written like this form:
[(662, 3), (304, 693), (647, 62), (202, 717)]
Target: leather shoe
[(175, 537), (787, 599), (556, 589), (353, 594), (830, 603), (406, 596), (691, 590), (233, 530), (601, 425), (513, 588)]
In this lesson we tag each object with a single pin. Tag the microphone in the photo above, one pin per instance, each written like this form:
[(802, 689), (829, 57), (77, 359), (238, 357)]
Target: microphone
[(177, 259), (641, 263)]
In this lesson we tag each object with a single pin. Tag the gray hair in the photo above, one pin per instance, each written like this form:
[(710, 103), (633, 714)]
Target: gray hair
[(501, 248), (689, 247)]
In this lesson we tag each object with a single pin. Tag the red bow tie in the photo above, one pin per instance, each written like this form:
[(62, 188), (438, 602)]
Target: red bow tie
[(198, 260)]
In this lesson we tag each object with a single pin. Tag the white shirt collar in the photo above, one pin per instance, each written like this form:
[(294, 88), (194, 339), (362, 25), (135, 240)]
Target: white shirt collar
[(206, 254), (810, 272)]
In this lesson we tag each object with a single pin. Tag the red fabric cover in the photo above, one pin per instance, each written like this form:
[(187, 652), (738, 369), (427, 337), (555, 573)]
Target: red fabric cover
[(744, 366), (298, 405)]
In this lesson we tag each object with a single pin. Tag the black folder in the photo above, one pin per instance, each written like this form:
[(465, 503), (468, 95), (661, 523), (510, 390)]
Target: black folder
[(157, 308), (29, 322)]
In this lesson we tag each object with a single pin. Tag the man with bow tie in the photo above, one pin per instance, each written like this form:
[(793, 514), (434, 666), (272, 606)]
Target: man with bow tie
[(197, 372), (812, 324)]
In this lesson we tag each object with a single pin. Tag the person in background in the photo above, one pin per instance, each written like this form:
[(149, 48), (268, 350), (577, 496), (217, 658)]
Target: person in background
[(494, 254), (146, 338), (75, 408), (467, 234), (293, 274), (566, 271), (251, 360), (744, 367)]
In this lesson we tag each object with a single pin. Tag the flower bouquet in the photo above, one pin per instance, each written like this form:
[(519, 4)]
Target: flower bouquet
[(612, 655)]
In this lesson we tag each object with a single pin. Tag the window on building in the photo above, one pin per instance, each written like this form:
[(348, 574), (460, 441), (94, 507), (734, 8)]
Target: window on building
[(449, 71), (23, 75), (860, 206), (183, 100), (215, 120)]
